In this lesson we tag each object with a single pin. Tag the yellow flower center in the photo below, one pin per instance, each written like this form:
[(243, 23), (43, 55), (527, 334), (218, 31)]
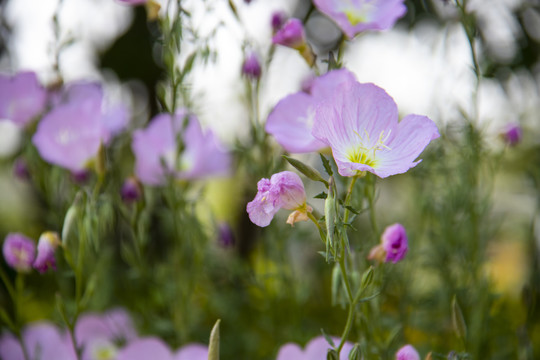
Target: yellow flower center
[(355, 17), (365, 154)]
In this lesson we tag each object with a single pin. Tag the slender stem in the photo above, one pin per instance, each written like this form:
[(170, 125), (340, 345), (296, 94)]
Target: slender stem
[(316, 222), (7, 283), (348, 325), (19, 289), (343, 269), (348, 198)]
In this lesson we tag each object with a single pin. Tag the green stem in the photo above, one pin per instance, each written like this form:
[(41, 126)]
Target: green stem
[(348, 325), (316, 222), (348, 198), (370, 194)]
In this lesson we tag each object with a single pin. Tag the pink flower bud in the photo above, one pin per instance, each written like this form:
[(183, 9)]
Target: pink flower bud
[(291, 35), (408, 352), (277, 20), (132, 190), (394, 242), (512, 134), (47, 244), (19, 252), (251, 67)]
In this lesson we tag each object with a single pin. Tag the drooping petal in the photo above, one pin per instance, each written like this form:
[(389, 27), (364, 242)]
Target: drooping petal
[(289, 190), (410, 138)]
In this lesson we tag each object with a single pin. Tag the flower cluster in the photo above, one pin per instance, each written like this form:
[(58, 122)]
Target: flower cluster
[(20, 252)]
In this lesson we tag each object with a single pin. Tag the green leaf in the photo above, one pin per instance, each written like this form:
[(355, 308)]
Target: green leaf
[(328, 338), (213, 346), (305, 169), (326, 165), (332, 355), (367, 278), (322, 195), (457, 320)]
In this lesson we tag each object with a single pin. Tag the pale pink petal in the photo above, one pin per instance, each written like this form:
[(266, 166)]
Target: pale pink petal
[(192, 352), (145, 349)]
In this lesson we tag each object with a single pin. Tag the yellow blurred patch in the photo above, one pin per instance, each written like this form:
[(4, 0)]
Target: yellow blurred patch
[(507, 266)]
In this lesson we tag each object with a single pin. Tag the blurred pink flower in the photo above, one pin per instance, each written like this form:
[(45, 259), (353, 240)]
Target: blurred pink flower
[(393, 246), (156, 150), (19, 251), (291, 120), (512, 134), (22, 98), (291, 34), (251, 68), (360, 123), (315, 349), (155, 349), (407, 352), (355, 16)]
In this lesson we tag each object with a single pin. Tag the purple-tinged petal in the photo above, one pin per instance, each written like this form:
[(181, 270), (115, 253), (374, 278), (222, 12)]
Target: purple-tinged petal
[(512, 134), (251, 68), (325, 86), (410, 138), (289, 189), (10, 348), (113, 121), (19, 251), (114, 325), (291, 121), (144, 349), (316, 349), (357, 16), (277, 20), (192, 352), (47, 340), (407, 352), (21, 98)]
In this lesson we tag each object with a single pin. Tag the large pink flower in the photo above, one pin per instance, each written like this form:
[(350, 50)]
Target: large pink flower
[(360, 124), (291, 120), (355, 16)]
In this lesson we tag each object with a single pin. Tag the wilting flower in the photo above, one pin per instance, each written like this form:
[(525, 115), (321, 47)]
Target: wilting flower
[(277, 20), (21, 98), (47, 244), (157, 151), (355, 16), (251, 68), (19, 251), (315, 349), (291, 120), (407, 352), (512, 134), (132, 190), (360, 124), (393, 246), (71, 134), (283, 190), (41, 340)]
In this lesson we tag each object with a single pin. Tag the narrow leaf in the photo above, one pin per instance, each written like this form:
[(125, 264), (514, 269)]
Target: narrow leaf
[(213, 347), (305, 169), (326, 165)]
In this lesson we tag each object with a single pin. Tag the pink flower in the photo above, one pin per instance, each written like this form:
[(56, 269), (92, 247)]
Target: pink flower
[(156, 150), (47, 244), (22, 98), (283, 190), (291, 120), (154, 348), (355, 16), (407, 352), (277, 20), (19, 251), (393, 246), (291, 35), (512, 134), (315, 349), (360, 124)]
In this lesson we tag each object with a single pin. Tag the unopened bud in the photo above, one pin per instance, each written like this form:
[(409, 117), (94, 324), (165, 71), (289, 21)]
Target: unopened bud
[(47, 244)]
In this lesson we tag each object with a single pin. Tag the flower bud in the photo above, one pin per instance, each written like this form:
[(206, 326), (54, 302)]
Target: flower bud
[(19, 252), (408, 352), (394, 242), (47, 244), (251, 68), (512, 134), (225, 235), (277, 21), (132, 190), (291, 34)]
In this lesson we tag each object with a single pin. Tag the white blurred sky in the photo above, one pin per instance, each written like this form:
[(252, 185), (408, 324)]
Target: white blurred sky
[(427, 71)]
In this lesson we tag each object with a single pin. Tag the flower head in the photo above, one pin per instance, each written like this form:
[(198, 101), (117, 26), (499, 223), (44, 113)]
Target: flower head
[(71, 134), (157, 151), (407, 352), (19, 252), (291, 34), (283, 190), (47, 244), (291, 120), (251, 68), (512, 134), (360, 124), (21, 98), (131, 190), (355, 16), (315, 349)]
